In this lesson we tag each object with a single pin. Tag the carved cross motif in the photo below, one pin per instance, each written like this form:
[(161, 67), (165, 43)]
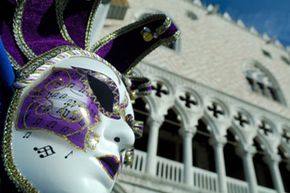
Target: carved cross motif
[(242, 119), (216, 110), (188, 101), (286, 136), (266, 128), (160, 89)]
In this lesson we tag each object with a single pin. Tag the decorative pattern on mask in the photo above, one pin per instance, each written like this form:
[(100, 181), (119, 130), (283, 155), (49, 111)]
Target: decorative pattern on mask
[(65, 104)]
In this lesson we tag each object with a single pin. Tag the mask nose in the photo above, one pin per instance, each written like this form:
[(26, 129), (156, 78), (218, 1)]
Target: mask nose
[(119, 133)]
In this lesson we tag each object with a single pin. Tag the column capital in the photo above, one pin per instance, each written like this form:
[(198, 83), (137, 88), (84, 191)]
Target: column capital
[(188, 129), (246, 150), (272, 159), (218, 141), (186, 132), (155, 119)]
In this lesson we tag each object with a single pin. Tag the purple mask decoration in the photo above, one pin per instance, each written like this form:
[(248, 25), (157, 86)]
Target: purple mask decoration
[(64, 104)]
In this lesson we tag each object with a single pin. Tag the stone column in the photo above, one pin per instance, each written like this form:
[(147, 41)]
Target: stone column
[(273, 162), (154, 125), (218, 144), (247, 153), (187, 156)]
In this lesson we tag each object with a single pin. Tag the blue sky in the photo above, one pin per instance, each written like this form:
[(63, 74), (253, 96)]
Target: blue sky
[(270, 16)]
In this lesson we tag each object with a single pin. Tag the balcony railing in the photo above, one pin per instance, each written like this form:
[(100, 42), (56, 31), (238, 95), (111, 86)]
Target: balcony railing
[(203, 180), (169, 170), (237, 186), (262, 189), (139, 162)]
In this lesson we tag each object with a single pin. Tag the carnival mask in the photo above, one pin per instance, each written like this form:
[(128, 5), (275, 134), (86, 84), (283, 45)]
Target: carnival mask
[(73, 125), (70, 126)]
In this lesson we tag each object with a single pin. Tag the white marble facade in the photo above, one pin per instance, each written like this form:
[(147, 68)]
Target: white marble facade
[(238, 80)]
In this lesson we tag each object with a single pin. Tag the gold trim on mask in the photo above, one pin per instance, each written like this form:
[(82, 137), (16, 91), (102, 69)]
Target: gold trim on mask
[(59, 8), (90, 24), (13, 173), (17, 30)]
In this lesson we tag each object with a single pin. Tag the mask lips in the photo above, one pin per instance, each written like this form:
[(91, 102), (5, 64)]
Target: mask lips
[(110, 164)]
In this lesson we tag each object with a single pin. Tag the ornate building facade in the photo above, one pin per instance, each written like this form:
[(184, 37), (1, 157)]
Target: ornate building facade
[(218, 119)]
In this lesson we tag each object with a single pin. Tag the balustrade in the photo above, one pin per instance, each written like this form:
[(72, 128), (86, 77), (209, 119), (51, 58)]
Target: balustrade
[(203, 180), (262, 189), (169, 170), (237, 186), (138, 162)]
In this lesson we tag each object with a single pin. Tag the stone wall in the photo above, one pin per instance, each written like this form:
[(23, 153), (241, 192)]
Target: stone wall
[(214, 51)]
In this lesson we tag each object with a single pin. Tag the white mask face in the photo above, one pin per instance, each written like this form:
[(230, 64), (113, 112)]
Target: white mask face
[(72, 127)]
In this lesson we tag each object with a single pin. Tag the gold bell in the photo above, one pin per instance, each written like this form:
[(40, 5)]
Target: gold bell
[(129, 157), (116, 109), (147, 34)]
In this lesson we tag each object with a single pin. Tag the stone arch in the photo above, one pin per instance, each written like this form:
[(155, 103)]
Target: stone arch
[(180, 114), (149, 99), (262, 168), (152, 104), (263, 82), (263, 142), (233, 160), (285, 148), (202, 151), (184, 119), (242, 125), (212, 127), (142, 114), (240, 137), (284, 166), (170, 141)]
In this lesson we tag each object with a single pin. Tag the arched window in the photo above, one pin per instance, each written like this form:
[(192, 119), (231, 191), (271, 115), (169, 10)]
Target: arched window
[(170, 141), (141, 114), (263, 174), (284, 167), (261, 81), (202, 151), (233, 162)]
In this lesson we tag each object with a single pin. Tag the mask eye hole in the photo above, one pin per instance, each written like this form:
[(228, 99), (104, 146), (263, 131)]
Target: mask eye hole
[(103, 93)]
